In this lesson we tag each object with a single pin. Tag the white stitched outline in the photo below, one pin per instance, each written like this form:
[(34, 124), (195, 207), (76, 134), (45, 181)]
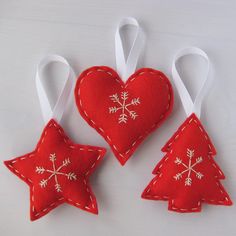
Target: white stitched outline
[(29, 180), (124, 86), (172, 200), (189, 168), (123, 106), (55, 172)]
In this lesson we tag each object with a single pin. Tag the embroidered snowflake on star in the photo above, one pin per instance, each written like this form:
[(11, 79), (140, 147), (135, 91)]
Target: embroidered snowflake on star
[(55, 172), (189, 168), (124, 107)]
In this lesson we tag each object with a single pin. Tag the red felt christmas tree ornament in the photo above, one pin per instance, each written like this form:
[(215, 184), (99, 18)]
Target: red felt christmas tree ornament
[(187, 176), (124, 106), (57, 170)]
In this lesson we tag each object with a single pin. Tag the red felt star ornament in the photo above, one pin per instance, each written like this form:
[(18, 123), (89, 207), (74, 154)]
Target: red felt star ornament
[(58, 171)]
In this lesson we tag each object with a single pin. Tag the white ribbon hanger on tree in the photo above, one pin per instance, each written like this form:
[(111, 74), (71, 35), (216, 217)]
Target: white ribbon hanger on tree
[(189, 105), (55, 112), (126, 67)]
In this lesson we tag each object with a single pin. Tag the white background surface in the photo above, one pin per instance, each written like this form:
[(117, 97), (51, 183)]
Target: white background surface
[(83, 32)]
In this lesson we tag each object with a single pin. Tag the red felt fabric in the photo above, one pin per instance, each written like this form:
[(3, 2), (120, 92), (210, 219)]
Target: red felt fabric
[(189, 146), (148, 94), (72, 163)]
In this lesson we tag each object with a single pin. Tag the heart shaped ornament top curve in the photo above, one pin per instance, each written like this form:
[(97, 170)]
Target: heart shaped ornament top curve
[(123, 113)]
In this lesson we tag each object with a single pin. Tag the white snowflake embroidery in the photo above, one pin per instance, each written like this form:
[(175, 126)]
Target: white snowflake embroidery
[(55, 172), (189, 168), (123, 106)]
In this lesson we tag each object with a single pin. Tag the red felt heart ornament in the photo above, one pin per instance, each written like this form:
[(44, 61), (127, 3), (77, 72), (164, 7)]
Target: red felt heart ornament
[(123, 113)]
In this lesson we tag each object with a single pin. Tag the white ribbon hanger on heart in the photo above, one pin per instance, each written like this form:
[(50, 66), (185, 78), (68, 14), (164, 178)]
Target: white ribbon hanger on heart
[(126, 67)]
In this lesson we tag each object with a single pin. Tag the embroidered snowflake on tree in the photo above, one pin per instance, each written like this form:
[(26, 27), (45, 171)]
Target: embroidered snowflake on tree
[(123, 106), (55, 172), (189, 168)]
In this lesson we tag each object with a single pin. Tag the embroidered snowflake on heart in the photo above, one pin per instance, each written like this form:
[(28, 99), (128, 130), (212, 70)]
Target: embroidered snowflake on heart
[(123, 106), (189, 168), (55, 172)]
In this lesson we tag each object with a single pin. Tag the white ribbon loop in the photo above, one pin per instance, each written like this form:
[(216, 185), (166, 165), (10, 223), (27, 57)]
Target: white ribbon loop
[(127, 67), (189, 105), (57, 111)]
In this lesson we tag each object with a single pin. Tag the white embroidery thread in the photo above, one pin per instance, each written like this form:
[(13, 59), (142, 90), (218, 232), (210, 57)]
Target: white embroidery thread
[(55, 172), (123, 106), (189, 168)]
